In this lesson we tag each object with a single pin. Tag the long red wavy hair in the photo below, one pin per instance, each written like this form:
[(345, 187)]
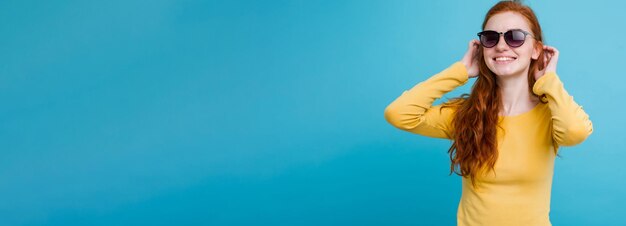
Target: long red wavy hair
[(474, 149)]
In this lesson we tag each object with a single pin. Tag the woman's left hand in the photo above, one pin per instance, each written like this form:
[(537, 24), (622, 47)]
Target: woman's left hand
[(550, 58)]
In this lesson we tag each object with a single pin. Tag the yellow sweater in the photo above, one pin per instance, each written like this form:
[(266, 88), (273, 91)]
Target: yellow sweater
[(519, 192)]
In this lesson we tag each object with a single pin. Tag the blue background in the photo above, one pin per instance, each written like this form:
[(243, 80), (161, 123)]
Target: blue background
[(269, 113)]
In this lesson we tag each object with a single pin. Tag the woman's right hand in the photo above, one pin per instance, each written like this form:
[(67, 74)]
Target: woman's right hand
[(471, 58)]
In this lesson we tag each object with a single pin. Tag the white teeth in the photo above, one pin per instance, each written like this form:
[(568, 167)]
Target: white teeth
[(504, 58)]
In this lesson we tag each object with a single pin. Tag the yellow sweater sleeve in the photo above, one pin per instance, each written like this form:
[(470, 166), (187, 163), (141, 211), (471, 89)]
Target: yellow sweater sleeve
[(570, 123), (412, 111)]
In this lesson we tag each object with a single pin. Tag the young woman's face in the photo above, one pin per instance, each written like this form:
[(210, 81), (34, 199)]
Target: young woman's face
[(518, 60)]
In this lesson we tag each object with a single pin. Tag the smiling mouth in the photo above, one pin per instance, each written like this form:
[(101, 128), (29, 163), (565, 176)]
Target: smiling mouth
[(504, 60)]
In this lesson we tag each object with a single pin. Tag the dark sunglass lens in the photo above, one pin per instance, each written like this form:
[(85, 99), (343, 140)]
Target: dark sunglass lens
[(489, 38), (514, 38)]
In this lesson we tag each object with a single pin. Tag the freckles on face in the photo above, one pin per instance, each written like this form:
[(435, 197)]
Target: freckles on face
[(502, 59)]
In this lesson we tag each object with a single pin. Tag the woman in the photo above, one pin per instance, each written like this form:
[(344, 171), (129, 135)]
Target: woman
[(507, 132)]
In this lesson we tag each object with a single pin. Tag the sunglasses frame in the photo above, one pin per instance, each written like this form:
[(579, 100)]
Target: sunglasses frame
[(526, 33)]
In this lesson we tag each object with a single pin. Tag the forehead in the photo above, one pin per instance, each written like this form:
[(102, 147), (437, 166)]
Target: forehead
[(506, 21)]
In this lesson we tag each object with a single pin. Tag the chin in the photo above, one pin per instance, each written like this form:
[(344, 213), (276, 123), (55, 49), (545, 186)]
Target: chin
[(503, 73), (508, 70)]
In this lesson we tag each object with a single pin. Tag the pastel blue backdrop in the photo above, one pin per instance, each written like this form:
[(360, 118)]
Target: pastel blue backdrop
[(269, 112)]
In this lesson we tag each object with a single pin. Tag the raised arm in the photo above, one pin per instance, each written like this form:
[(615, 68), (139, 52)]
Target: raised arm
[(570, 123), (412, 111)]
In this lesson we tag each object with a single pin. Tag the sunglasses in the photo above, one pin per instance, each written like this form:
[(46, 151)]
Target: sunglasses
[(514, 38)]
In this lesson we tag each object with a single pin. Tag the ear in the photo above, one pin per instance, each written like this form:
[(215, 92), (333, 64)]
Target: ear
[(537, 50)]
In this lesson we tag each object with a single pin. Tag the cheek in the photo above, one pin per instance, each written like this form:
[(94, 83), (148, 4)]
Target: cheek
[(488, 54), (526, 53)]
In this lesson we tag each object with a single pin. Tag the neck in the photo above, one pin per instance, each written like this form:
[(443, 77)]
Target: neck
[(516, 98)]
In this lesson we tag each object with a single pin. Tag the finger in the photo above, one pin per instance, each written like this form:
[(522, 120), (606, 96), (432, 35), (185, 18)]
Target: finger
[(548, 48), (475, 43), (547, 51), (550, 52), (556, 52), (552, 49)]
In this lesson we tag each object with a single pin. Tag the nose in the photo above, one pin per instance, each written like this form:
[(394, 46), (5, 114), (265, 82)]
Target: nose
[(501, 46)]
